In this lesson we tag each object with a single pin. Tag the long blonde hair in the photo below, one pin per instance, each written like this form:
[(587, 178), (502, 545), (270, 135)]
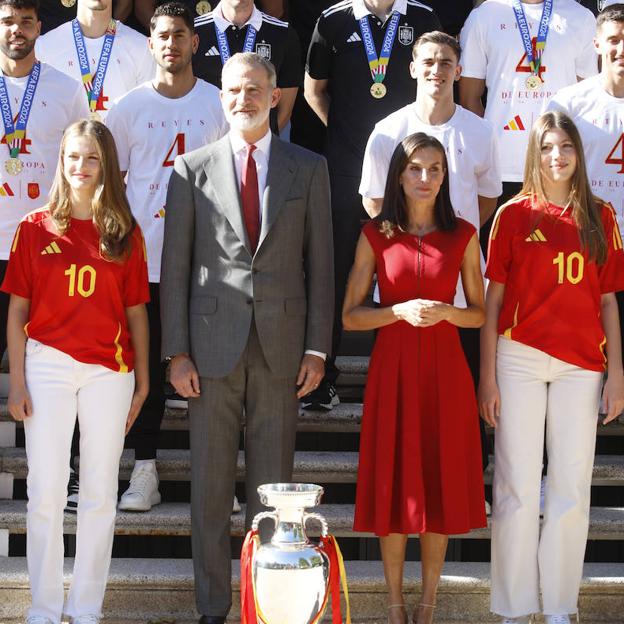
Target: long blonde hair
[(111, 212), (585, 207)]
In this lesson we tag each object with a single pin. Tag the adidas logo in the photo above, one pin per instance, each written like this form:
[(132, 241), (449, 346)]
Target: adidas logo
[(6, 190), (52, 248), (536, 236), (354, 38), (515, 124), (212, 52)]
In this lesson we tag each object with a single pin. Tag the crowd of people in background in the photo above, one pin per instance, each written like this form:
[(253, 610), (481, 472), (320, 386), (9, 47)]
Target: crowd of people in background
[(216, 189)]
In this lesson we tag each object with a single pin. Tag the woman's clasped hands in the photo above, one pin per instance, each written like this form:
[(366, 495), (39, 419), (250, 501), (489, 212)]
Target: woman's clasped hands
[(421, 312)]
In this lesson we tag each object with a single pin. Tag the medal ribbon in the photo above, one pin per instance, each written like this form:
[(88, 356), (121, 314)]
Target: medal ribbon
[(14, 134), (379, 64), (224, 46), (93, 84), (525, 35)]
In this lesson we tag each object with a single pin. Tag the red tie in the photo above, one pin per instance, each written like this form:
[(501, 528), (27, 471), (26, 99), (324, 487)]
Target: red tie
[(250, 199)]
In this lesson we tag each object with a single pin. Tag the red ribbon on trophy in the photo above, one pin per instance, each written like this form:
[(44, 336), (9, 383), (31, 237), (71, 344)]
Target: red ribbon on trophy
[(250, 610)]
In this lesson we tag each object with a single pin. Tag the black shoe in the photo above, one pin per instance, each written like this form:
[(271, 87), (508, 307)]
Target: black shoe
[(324, 397), (72, 492), (212, 619)]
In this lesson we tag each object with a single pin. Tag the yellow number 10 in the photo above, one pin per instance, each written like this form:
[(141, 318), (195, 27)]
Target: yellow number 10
[(570, 269), (80, 285)]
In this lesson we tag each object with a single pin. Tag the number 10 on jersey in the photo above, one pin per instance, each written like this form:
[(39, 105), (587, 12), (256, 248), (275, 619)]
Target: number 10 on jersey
[(81, 280), (570, 268)]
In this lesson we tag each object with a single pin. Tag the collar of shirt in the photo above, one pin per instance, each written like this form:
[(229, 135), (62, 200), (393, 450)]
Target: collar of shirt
[(255, 20), (360, 10)]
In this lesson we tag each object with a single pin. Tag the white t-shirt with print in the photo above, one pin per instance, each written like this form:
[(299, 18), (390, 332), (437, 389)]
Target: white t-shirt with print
[(58, 102), (492, 50), (130, 63), (471, 151), (150, 130), (599, 117)]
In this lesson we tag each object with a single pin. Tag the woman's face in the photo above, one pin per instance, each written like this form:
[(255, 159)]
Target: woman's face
[(422, 178), (81, 164), (557, 158)]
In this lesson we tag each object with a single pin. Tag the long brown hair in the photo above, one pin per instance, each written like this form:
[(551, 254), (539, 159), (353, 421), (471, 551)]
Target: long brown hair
[(584, 207), (111, 212), (394, 207)]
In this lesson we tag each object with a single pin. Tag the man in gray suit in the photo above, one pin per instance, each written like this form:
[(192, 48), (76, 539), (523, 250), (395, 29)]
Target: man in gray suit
[(247, 306)]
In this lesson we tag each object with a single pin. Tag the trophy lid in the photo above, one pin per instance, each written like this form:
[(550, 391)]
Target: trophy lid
[(297, 495)]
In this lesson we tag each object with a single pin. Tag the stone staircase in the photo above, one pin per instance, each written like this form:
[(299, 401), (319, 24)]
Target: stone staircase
[(160, 590)]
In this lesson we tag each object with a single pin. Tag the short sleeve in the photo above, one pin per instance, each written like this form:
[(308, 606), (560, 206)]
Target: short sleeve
[(499, 248), (136, 285), (375, 166), (611, 273), (489, 182), (18, 277), (115, 121), (586, 63), (474, 58), (318, 64), (290, 72)]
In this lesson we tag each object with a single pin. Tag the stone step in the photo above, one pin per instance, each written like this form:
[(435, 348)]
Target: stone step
[(605, 523), (143, 590), (309, 466)]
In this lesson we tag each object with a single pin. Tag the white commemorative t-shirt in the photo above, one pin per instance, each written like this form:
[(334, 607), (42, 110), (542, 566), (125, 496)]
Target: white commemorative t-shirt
[(130, 64), (599, 117), (492, 50), (150, 130), (58, 102), (471, 151)]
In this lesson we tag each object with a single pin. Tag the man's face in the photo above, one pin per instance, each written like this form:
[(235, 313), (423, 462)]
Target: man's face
[(19, 29), (435, 68), (172, 44), (247, 96), (609, 42)]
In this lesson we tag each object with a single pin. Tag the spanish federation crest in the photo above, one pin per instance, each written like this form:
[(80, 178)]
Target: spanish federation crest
[(264, 50), (406, 35)]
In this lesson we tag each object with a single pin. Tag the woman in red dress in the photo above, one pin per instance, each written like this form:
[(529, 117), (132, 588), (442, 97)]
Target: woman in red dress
[(420, 458)]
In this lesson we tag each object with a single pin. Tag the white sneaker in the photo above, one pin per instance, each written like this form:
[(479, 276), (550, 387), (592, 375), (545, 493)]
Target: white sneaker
[(557, 619), (488, 509), (38, 619), (85, 619), (542, 494), (142, 492), (236, 506)]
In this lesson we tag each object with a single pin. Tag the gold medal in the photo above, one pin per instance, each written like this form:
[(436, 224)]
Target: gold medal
[(68, 3), (203, 7), (95, 116), (378, 90), (13, 166), (534, 82)]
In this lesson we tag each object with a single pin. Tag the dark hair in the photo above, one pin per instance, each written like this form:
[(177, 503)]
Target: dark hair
[(394, 207), (441, 38), (613, 13), (22, 4), (172, 9)]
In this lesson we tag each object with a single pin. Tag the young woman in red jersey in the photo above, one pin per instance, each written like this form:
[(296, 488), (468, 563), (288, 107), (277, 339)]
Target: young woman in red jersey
[(77, 336), (420, 455), (555, 260)]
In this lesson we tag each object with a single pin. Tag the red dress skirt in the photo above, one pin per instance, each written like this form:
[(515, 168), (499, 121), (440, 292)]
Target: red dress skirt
[(420, 464)]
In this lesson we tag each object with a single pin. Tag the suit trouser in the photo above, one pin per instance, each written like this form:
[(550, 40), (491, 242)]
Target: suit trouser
[(538, 390), (60, 388), (251, 395)]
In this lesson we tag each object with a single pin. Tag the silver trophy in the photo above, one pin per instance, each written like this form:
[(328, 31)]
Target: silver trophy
[(290, 573)]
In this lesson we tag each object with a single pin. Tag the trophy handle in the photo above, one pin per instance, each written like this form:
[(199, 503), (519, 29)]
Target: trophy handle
[(319, 518), (261, 516)]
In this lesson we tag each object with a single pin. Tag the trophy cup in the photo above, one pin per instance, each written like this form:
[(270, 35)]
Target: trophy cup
[(288, 580)]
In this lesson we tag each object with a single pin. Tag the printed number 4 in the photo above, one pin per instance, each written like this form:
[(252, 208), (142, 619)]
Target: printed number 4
[(570, 269), (79, 284), (611, 158), (177, 149)]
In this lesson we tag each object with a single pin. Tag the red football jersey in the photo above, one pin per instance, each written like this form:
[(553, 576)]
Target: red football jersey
[(77, 298), (552, 290)]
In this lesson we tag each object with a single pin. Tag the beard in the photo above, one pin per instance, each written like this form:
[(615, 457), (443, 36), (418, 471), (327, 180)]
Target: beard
[(246, 122), (20, 53)]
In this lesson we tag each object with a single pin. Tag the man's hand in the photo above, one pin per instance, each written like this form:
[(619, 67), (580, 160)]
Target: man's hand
[(183, 376), (311, 372)]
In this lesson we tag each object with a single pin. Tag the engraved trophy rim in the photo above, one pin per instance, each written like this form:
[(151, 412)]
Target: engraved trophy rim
[(290, 494)]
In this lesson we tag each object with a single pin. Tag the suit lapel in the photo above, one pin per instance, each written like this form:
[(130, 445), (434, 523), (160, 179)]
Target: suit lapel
[(220, 169), (279, 179)]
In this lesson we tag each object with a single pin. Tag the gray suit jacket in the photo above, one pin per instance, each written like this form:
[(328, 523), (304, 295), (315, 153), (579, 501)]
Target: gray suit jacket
[(212, 286)]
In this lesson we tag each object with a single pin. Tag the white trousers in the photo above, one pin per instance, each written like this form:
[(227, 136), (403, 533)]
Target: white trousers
[(537, 390), (61, 388)]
